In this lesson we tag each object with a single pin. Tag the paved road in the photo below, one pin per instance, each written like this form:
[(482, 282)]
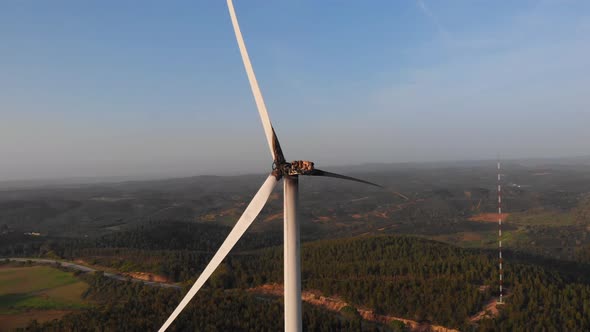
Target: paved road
[(83, 268)]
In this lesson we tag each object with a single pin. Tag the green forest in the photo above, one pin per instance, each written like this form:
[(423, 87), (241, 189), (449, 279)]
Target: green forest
[(402, 276)]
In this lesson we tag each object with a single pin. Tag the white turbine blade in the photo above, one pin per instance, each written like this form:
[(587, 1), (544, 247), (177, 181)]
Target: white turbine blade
[(252, 78), (236, 233)]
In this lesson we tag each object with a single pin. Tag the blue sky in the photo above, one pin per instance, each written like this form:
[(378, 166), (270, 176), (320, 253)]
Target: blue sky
[(156, 88)]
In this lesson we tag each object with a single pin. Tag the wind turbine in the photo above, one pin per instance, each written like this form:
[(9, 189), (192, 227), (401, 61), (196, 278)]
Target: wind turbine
[(281, 169)]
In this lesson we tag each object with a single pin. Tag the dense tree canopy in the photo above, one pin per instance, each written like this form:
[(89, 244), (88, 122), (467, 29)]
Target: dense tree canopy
[(402, 276)]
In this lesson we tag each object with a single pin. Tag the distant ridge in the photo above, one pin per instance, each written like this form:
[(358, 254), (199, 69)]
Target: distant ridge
[(376, 167)]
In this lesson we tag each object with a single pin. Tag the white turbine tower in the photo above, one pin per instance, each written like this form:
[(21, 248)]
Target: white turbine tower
[(281, 169)]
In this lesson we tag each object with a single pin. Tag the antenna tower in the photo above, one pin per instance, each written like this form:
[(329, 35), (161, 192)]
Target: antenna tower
[(500, 301)]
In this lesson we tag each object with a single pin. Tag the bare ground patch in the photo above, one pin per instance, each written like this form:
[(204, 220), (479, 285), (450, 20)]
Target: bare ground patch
[(146, 276), (489, 311), (488, 217), (471, 236), (273, 217), (322, 219), (335, 304), (9, 322)]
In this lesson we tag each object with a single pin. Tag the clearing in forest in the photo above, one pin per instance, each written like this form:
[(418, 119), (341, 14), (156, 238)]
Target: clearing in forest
[(488, 217), (37, 292)]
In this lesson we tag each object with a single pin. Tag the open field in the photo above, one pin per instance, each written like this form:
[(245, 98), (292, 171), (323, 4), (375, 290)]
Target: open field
[(9, 322), (37, 292), (18, 280), (488, 217), (543, 218)]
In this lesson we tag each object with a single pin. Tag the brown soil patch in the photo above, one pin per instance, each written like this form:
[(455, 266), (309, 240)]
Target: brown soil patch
[(469, 236), (357, 216), (273, 217), (491, 308), (146, 276), (10, 322), (488, 311), (380, 214), (323, 219), (484, 288), (488, 217), (335, 304)]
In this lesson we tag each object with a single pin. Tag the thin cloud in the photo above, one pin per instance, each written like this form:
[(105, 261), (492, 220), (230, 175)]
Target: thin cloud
[(426, 10)]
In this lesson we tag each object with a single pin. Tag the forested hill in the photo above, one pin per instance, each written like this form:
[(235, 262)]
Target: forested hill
[(430, 281), (400, 276)]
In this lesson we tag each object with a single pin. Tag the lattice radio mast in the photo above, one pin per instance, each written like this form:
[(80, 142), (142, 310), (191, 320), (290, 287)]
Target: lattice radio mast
[(500, 301)]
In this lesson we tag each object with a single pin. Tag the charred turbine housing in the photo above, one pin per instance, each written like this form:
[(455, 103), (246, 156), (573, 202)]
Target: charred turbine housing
[(300, 167), (297, 167)]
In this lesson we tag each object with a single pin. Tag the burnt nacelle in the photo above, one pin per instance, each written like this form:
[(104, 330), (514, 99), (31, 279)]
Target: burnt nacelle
[(297, 167), (300, 167)]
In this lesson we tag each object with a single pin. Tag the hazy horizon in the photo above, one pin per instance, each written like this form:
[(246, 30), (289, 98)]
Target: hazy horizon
[(19, 183), (159, 90)]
